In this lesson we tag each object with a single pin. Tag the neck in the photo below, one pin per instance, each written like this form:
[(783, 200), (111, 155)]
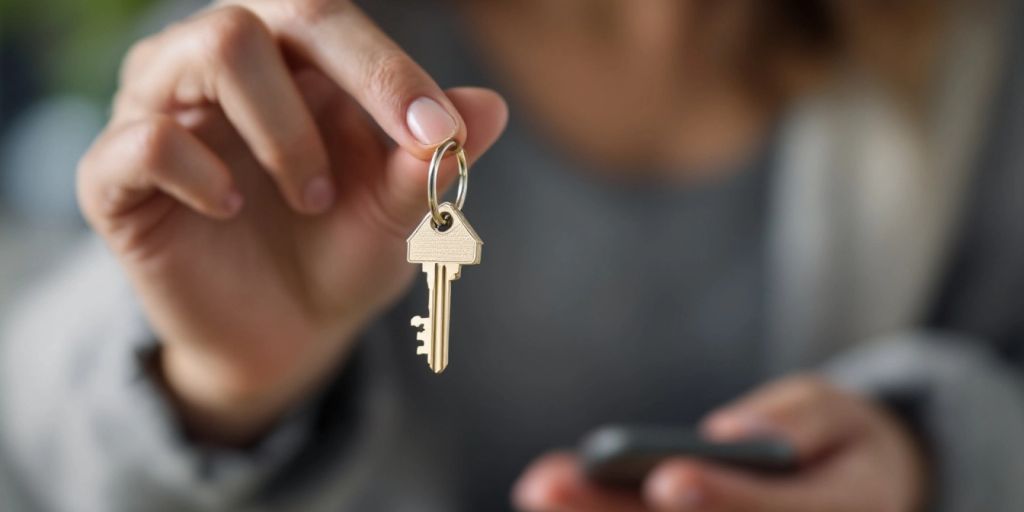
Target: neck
[(616, 86)]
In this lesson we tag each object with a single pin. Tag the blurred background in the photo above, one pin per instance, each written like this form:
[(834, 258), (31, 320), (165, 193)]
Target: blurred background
[(58, 71)]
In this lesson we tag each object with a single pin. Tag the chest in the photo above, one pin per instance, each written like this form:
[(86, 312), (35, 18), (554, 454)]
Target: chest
[(596, 300)]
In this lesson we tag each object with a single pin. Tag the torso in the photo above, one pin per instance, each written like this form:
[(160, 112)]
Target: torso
[(597, 300)]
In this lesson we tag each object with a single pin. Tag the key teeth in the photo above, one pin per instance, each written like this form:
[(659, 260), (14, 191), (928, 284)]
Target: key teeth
[(424, 348), (422, 335)]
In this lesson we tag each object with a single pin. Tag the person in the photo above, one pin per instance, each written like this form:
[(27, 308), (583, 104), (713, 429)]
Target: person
[(791, 218)]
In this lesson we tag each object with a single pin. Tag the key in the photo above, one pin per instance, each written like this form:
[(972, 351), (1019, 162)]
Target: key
[(442, 252)]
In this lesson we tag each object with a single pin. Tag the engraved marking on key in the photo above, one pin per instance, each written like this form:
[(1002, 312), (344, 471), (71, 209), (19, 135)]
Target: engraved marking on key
[(442, 254)]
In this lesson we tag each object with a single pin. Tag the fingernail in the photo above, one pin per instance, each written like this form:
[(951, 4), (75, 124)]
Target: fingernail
[(233, 203), (429, 122), (319, 194)]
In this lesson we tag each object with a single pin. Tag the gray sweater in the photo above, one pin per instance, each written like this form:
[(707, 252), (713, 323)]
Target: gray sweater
[(596, 301)]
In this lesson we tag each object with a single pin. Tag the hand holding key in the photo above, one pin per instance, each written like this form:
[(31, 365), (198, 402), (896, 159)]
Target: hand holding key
[(244, 187)]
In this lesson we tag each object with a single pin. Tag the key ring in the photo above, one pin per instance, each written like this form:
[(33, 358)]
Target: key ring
[(435, 166)]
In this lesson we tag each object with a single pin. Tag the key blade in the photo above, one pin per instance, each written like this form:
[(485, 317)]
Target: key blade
[(444, 274)]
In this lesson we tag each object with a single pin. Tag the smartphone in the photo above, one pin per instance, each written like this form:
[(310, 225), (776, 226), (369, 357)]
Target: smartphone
[(622, 455)]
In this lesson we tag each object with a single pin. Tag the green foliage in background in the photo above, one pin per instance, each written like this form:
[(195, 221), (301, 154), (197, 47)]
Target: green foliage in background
[(77, 43)]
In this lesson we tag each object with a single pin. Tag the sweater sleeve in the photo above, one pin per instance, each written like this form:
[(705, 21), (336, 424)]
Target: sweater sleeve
[(966, 403), (84, 428)]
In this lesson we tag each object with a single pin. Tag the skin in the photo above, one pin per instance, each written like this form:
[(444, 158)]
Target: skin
[(694, 116), (261, 171)]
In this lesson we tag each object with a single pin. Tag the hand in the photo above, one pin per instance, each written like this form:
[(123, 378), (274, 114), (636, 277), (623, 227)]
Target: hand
[(855, 458), (244, 187)]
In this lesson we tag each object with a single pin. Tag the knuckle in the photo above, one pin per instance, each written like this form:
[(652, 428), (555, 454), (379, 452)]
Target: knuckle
[(139, 54), (87, 162), (123, 104), (811, 388), (86, 180), (148, 144), (232, 33), (278, 161), (142, 147), (384, 76), (311, 12), (300, 154)]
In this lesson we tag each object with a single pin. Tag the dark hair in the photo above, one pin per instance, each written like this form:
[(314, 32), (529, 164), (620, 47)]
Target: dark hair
[(783, 46)]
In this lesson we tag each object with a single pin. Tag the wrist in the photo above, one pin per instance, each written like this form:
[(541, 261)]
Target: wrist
[(212, 406), (231, 401)]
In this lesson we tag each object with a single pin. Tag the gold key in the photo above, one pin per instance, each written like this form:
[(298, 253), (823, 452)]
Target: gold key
[(442, 254), (441, 243)]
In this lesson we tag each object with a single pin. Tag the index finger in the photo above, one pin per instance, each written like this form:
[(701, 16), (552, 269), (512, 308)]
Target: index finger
[(337, 37)]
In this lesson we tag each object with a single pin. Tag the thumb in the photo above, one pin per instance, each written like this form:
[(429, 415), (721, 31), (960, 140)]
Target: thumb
[(485, 115)]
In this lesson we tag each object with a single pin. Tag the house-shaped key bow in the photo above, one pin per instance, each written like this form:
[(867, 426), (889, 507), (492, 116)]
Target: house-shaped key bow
[(456, 244)]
